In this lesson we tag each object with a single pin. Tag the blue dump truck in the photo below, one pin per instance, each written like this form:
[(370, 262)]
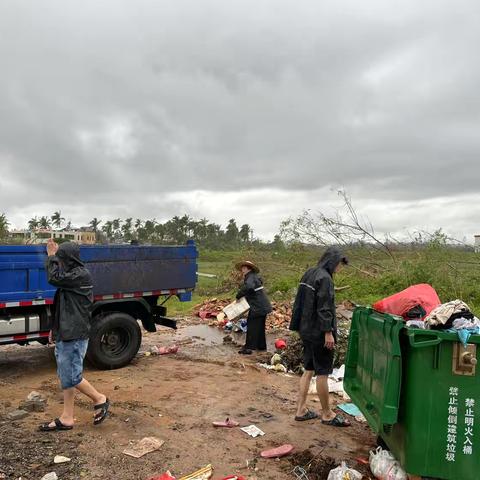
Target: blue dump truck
[(131, 285)]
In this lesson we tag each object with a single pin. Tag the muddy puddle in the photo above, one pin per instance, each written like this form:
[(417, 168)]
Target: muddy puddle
[(211, 336)]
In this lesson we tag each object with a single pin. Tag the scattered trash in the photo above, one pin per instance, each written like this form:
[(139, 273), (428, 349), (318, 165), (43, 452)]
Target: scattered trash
[(277, 368), (361, 419), (338, 373), (168, 350), (343, 472), (50, 476), (17, 415), (350, 408), (385, 467), (416, 324), (144, 446), (164, 476), (226, 424), (61, 459), (202, 474), (234, 477), (276, 359), (300, 473), (253, 431), (154, 350), (278, 452)]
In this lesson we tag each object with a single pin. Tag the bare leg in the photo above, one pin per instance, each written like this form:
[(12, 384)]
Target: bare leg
[(303, 392), (87, 389), (68, 400), (323, 395)]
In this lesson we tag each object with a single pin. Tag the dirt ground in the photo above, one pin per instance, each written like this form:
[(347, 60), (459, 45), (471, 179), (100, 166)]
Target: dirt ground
[(175, 398)]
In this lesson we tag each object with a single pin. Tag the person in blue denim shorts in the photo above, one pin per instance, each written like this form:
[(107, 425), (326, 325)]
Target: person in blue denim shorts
[(71, 326)]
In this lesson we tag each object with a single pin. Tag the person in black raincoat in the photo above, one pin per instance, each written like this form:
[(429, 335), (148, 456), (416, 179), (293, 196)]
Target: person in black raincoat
[(254, 292), (313, 317), (71, 326)]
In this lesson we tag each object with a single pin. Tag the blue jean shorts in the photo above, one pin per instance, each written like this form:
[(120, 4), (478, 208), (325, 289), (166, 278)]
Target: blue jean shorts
[(70, 357)]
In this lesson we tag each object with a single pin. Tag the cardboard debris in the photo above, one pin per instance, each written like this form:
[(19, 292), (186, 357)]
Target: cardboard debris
[(144, 446)]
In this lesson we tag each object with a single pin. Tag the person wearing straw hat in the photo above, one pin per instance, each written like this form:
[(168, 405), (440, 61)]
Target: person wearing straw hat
[(253, 291)]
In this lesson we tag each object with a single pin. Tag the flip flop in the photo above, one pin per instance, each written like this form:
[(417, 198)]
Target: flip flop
[(226, 424), (277, 452), (308, 416), (102, 414), (59, 426), (338, 421)]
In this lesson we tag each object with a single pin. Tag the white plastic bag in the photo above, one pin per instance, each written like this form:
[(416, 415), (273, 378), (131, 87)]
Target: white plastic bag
[(344, 473), (384, 466)]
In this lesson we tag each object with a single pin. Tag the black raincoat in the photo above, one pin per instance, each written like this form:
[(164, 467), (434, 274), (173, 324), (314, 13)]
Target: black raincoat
[(314, 307), (260, 306), (74, 296)]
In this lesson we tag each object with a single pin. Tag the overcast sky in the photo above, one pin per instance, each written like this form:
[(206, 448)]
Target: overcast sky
[(249, 109)]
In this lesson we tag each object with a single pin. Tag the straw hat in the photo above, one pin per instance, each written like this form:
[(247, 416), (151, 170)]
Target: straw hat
[(249, 264)]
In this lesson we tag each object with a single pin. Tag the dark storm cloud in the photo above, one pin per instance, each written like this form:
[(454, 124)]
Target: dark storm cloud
[(109, 105)]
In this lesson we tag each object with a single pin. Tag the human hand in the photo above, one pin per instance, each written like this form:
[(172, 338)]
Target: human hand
[(329, 341), (52, 247)]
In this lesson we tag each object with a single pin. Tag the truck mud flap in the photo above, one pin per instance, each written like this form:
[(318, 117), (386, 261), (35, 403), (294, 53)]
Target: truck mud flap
[(166, 322)]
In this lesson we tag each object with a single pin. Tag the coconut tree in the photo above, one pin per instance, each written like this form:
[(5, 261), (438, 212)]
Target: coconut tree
[(95, 223), (57, 219), (33, 224), (44, 222)]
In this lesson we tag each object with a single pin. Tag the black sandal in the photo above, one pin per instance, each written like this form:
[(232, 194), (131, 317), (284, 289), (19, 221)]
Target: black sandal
[(337, 421), (59, 426), (308, 416), (102, 414), (245, 351)]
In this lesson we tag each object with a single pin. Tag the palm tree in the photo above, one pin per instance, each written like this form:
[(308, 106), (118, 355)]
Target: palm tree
[(44, 222), (127, 229), (94, 223), (108, 229), (33, 224), (138, 223), (3, 226), (57, 219)]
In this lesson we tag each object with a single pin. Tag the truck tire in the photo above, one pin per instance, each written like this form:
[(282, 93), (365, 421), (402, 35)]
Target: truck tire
[(115, 339)]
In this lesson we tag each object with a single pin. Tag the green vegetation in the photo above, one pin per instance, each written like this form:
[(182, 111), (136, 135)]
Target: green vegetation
[(453, 271)]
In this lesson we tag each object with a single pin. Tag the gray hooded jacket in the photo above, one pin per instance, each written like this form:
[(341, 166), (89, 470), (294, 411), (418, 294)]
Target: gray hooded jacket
[(74, 296), (314, 307)]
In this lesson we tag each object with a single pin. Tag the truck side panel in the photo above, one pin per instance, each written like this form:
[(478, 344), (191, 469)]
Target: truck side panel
[(117, 270)]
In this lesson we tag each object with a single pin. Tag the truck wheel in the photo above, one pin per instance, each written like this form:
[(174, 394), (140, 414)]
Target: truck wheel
[(114, 340)]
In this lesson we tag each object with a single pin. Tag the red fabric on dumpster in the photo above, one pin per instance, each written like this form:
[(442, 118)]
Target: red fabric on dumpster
[(400, 303)]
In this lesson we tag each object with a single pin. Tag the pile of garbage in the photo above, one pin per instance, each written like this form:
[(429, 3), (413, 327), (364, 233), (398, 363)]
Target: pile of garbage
[(280, 318), (277, 320), (210, 308)]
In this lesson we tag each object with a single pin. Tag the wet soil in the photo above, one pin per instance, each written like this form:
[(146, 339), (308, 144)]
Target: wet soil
[(175, 398)]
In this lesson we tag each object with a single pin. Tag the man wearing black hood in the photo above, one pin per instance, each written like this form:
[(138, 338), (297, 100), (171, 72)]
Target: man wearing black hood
[(71, 326), (314, 318)]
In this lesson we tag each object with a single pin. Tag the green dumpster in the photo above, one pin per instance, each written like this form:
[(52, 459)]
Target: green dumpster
[(419, 391)]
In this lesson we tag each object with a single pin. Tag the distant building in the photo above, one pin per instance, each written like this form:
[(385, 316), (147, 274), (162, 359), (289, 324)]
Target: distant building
[(83, 236), (477, 243)]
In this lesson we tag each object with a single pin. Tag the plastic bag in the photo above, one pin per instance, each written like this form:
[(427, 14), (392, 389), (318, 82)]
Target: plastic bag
[(385, 467), (344, 473)]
